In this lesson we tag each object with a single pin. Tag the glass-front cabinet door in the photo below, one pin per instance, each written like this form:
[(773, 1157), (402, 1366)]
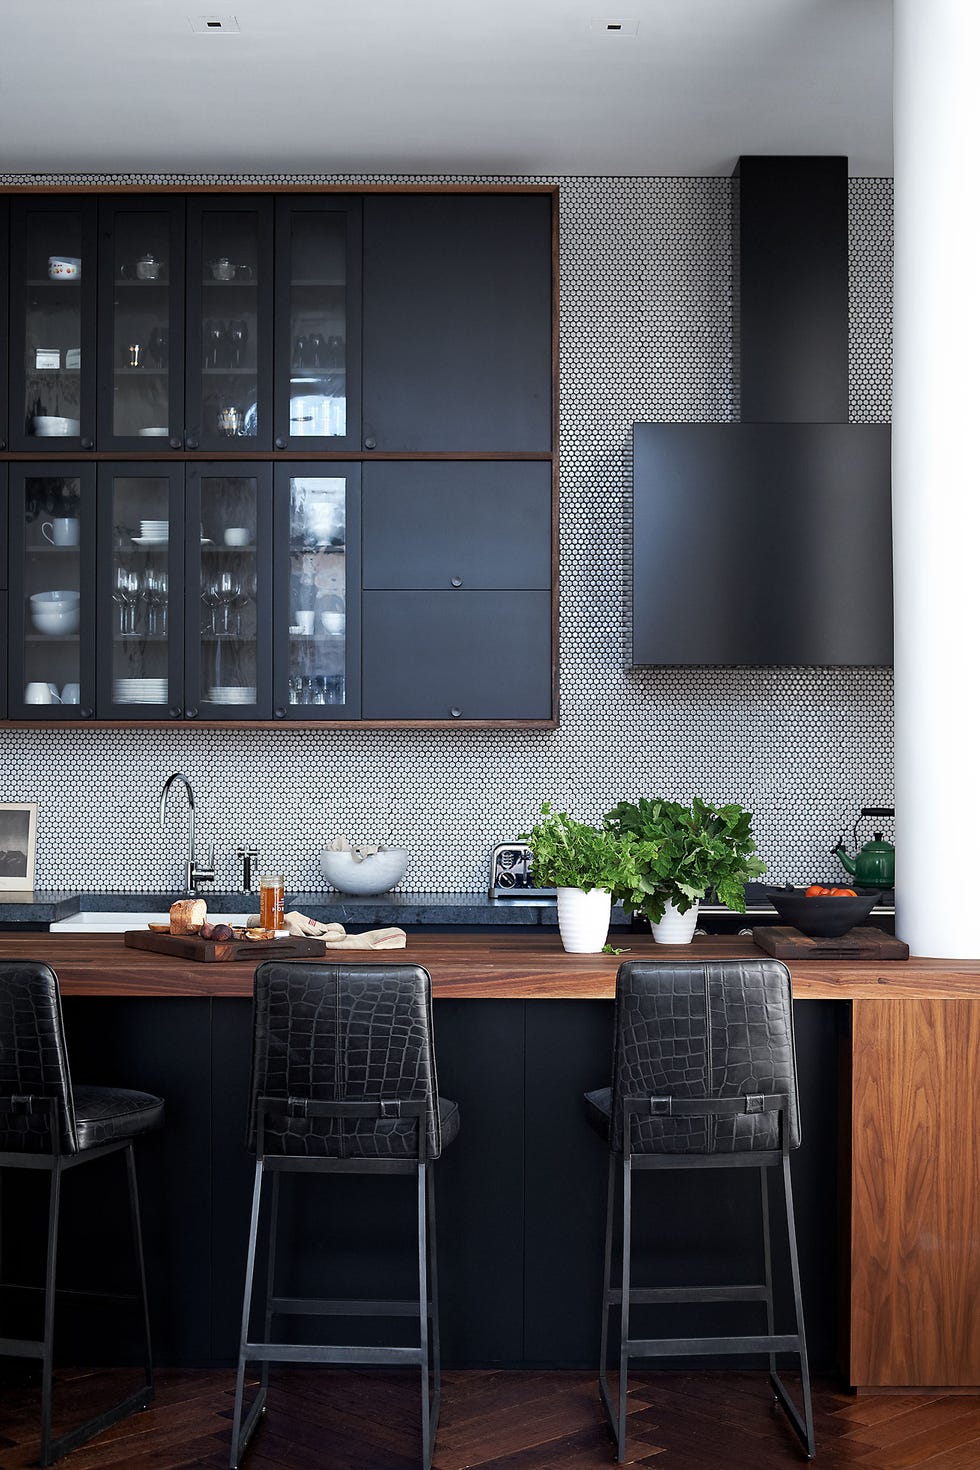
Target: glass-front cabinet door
[(228, 665), (141, 591), (141, 341), (317, 542), (229, 323), (4, 324), (52, 326), (318, 314), (52, 535)]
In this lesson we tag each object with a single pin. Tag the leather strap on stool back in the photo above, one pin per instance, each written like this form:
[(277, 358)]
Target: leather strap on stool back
[(711, 1029), (33, 1058), (344, 1033)]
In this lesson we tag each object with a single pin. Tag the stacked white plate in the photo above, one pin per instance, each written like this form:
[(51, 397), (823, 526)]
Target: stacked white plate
[(231, 694), (140, 691), (153, 533)]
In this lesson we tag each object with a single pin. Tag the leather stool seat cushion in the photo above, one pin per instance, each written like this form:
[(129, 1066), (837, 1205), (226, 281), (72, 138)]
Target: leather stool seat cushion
[(106, 1114), (598, 1110)]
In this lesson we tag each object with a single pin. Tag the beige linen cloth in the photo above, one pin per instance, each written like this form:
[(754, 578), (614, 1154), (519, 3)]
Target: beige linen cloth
[(335, 936)]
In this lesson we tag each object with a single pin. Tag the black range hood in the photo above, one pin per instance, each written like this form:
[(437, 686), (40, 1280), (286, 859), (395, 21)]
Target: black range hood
[(768, 541)]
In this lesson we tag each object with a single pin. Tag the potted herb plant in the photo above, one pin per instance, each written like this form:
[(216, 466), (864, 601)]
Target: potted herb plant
[(584, 864), (679, 853)]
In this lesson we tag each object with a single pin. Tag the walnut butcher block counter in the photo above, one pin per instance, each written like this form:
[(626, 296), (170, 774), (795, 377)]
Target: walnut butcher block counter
[(894, 1135), (484, 967)]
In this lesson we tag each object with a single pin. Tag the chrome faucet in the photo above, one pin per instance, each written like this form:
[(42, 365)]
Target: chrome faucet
[(192, 873)]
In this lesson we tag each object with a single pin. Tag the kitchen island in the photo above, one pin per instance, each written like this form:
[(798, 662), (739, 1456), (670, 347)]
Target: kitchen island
[(887, 1178)]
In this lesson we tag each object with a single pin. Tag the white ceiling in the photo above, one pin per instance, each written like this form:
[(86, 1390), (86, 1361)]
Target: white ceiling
[(442, 86)]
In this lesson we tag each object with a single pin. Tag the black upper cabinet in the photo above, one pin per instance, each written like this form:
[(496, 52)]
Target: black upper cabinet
[(141, 326), (762, 544), (4, 322), (229, 323), (318, 323), (474, 524), (457, 323), (52, 324)]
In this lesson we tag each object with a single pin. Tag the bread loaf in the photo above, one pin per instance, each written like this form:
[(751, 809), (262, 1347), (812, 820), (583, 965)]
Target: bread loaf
[(187, 915)]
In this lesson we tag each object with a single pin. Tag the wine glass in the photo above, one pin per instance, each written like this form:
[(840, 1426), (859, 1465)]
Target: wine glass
[(237, 336), (210, 598), (229, 590), (214, 334)]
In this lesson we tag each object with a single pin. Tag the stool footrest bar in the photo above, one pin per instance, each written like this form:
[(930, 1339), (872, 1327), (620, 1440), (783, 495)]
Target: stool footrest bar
[(304, 1352), (645, 1296), (301, 1306), (669, 1347)]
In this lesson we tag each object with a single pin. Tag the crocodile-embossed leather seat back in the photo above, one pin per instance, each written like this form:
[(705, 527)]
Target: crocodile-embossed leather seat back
[(344, 1033), (33, 1059), (719, 1028)]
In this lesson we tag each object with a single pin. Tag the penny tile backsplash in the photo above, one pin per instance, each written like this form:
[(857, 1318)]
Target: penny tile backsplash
[(646, 333)]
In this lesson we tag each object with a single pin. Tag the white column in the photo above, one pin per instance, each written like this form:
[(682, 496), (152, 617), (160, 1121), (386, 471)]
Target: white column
[(936, 476)]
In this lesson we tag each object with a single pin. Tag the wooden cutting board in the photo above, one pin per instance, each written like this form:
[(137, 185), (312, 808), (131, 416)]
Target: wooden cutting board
[(190, 947), (858, 944)]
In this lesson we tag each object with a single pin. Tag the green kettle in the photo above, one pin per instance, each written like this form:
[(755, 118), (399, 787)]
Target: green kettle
[(874, 865)]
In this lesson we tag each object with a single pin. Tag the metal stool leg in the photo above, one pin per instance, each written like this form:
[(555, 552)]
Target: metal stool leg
[(241, 1433), (624, 1310), (134, 1211), (607, 1303), (767, 1261), (804, 1427), (434, 1299), (270, 1275), (50, 1275), (424, 1317)]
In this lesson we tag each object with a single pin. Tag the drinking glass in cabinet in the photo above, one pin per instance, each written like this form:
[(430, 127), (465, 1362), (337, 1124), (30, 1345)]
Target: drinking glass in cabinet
[(53, 325), (229, 589), (52, 583)]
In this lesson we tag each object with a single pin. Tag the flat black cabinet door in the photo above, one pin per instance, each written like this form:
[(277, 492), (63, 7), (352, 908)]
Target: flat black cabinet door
[(141, 591), (229, 323), (469, 524), (4, 319), (4, 660), (457, 323), (456, 655), (52, 324), (141, 325), (52, 534), (228, 559)]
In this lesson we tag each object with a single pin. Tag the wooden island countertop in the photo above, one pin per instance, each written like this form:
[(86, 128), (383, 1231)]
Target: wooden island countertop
[(484, 967)]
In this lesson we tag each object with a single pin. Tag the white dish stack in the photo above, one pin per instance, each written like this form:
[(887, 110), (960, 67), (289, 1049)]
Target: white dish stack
[(140, 691)]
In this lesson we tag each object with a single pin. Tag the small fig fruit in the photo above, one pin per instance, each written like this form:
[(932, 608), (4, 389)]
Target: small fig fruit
[(222, 931), (206, 931)]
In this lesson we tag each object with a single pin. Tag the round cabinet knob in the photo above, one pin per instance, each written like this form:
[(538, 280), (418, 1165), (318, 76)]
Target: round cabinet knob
[(174, 443), (370, 443), (280, 443), (88, 444), (191, 711), (456, 581), (175, 711), (280, 713), (455, 712), (86, 711), (191, 442)]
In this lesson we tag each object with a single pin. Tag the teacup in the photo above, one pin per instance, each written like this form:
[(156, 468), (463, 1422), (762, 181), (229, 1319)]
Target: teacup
[(306, 621), (237, 536), (71, 694), (64, 531), (37, 693)]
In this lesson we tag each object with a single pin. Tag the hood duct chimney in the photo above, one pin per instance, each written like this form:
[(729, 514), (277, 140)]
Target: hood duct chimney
[(791, 289)]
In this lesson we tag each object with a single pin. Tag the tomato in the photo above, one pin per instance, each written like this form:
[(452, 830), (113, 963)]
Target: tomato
[(817, 890), (843, 892)]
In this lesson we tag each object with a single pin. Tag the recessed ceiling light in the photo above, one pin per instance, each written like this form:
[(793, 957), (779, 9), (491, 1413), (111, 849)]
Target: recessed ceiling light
[(615, 26), (214, 24)]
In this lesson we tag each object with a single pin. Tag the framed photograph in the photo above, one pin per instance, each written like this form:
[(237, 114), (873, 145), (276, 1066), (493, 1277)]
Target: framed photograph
[(18, 835)]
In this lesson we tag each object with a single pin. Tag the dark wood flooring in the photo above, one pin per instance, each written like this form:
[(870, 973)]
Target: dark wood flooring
[(349, 1419)]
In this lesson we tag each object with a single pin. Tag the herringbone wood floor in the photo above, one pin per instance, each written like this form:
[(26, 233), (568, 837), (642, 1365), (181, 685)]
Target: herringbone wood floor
[(347, 1419)]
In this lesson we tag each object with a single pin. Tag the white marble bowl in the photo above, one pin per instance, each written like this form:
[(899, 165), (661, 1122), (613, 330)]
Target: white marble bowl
[(374, 874)]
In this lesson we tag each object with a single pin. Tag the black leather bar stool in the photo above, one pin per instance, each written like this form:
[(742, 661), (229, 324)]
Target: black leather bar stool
[(343, 1081), (47, 1124), (704, 1077)]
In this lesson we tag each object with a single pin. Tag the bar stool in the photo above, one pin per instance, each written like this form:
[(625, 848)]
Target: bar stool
[(47, 1124), (343, 1082), (704, 1077)]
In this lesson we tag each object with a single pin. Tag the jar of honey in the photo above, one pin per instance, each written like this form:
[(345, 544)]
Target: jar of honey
[(272, 902)]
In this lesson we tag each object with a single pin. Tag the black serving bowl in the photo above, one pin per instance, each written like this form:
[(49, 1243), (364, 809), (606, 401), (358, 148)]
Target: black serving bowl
[(821, 917)]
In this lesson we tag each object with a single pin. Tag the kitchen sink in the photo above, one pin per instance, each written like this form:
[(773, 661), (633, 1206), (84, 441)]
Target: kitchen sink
[(92, 922)]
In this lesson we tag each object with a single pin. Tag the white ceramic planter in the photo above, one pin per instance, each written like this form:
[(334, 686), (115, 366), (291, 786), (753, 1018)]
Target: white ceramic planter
[(675, 928), (583, 918)]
